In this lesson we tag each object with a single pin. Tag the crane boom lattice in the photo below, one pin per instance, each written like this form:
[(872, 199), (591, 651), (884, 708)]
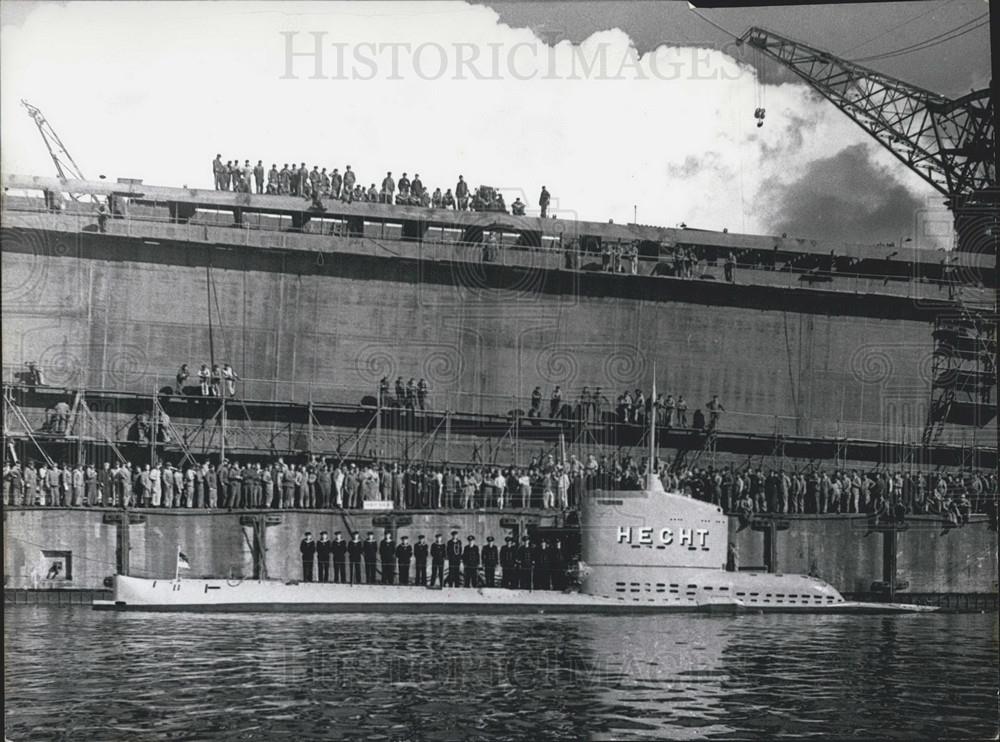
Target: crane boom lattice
[(947, 142), (66, 166)]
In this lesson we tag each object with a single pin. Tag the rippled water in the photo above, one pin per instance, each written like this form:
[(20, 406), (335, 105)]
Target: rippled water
[(73, 674)]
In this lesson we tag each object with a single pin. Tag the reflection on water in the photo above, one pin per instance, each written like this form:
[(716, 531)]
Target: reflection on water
[(73, 674)]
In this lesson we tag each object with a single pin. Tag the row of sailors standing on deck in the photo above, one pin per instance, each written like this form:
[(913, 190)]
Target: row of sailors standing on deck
[(318, 183), (540, 566)]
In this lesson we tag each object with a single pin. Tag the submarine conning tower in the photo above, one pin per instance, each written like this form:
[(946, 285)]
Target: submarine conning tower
[(650, 546)]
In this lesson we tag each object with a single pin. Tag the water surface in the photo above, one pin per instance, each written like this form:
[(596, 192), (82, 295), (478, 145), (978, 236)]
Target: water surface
[(75, 674)]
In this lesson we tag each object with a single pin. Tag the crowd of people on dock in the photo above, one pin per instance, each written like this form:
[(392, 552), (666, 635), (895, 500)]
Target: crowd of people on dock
[(543, 484), (539, 564), (319, 184)]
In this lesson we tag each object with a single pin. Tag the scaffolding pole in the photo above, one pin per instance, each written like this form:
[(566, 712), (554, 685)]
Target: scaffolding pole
[(447, 436), (152, 431), (100, 428), (12, 406), (222, 442), (357, 440)]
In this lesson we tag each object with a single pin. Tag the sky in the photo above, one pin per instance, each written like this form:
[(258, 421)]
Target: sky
[(621, 109)]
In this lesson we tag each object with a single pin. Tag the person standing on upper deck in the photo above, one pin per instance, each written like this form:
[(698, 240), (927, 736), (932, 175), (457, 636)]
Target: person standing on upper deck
[(246, 177), (258, 176), (218, 169), (336, 183), (272, 180), (544, 199), (350, 178), (462, 193), (388, 188), (284, 181), (301, 182)]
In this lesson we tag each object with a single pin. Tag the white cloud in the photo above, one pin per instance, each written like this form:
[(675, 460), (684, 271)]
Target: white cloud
[(155, 90)]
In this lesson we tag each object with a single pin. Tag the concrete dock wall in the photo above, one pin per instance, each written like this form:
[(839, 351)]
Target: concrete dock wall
[(846, 552), (216, 543), (840, 549)]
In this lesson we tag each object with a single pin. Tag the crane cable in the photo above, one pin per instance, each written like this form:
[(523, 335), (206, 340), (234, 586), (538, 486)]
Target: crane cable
[(898, 26), (940, 38), (710, 22)]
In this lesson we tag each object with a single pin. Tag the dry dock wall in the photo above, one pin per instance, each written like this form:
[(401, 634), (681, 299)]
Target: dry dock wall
[(846, 552), (840, 549), (119, 313)]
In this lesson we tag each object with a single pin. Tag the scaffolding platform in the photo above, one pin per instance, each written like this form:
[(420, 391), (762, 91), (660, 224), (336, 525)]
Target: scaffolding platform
[(304, 421)]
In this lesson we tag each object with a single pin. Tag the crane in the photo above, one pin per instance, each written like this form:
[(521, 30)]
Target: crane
[(66, 166), (947, 142)]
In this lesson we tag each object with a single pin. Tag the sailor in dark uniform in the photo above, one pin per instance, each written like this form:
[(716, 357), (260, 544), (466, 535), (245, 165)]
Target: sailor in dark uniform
[(420, 551), (355, 549), (438, 552), (370, 552), (558, 563), (508, 577), (470, 561), (308, 550), (387, 554), (522, 563), (542, 560), (490, 558), (454, 554), (324, 547), (339, 550), (404, 554)]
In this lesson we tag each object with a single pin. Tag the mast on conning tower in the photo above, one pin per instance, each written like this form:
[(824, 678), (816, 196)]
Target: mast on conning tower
[(653, 482)]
